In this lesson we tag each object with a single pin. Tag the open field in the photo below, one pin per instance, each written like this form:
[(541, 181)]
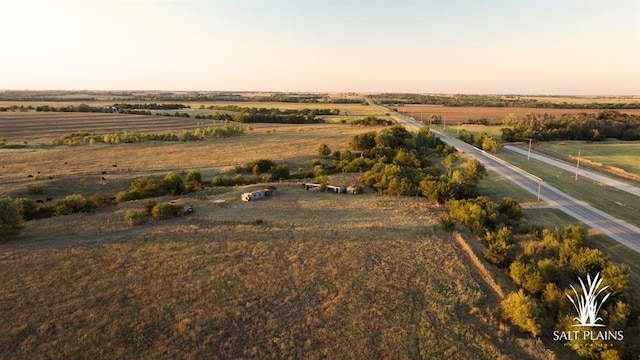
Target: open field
[(299, 275), (610, 156), (585, 99), (457, 115), (80, 168), (323, 274)]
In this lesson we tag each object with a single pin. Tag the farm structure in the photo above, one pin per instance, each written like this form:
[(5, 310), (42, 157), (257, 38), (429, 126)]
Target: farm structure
[(315, 187), (187, 208), (258, 194)]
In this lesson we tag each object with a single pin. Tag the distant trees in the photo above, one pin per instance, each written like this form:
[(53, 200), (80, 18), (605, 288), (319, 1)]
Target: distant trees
[(583, 126)]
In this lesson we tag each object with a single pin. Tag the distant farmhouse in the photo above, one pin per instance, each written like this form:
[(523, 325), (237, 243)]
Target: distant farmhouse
[(258, 194), (315, 187)]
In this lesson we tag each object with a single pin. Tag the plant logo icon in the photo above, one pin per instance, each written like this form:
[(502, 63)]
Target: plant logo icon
[(586, 303)]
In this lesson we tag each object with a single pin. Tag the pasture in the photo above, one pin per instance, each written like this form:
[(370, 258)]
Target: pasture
[(320, 274)]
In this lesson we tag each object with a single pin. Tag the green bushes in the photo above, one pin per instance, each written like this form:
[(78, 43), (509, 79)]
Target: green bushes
[(72, 204), (166, 211), (9, 219)]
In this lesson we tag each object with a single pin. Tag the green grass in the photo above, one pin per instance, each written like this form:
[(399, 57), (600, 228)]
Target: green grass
[(452, 130), (496, 187), (624, 155), (615, 202)]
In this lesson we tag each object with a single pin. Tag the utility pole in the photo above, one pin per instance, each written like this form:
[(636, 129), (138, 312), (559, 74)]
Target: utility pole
[(577, 165), (529, 152)]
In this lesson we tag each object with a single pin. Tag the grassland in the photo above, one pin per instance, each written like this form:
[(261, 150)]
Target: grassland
[(615, 157), (369, 278), (299, 275)]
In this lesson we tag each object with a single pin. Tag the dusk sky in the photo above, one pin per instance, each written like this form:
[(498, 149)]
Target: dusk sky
[(579, 47)]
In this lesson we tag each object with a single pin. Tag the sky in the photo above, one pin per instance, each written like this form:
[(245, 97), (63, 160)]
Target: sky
[(546, 47)]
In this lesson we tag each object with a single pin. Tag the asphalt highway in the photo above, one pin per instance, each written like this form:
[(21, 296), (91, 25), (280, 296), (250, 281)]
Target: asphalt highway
[(618, 230)]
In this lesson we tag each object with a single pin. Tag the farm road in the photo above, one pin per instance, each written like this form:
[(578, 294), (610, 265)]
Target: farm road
[(584, 173), (616, 229)]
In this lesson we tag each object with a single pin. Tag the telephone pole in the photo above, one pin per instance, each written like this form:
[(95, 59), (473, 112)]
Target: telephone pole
[(529, 152), (577, 165)]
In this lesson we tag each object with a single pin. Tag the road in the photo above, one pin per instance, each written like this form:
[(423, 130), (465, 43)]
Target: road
[(581, 172), (618, 230)]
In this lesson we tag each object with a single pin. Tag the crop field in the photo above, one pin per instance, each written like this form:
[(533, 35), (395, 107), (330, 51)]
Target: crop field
[(457, 115)]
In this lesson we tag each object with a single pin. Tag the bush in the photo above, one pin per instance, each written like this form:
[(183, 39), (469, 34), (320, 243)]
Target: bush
[(262, 165), (522, 310), (166, 211), (9, 219), (134, 217), (172, 184), (193, 181), (72, 204), (26, 208), (323, 149), (148, 206), (34, 189)]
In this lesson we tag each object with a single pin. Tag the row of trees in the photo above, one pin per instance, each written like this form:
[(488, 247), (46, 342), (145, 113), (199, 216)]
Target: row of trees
[(482, 140), (590, 127), (79, 138), (494, 101)]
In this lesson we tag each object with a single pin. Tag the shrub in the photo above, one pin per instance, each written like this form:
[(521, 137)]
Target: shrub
[(262, 165), (522, 310), (148, 206), (172, 184), (134, 217), (323, 149), (193, 181), (72, 204), (166, 211), (9, 219), (26, 208), (34, 189)]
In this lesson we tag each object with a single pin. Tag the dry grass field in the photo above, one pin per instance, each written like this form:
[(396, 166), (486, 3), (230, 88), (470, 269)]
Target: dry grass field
[(457, 115), (320, 276), (298, 275)]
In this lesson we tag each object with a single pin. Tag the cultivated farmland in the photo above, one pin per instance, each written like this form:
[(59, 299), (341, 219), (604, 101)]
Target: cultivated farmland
[(458, 115)]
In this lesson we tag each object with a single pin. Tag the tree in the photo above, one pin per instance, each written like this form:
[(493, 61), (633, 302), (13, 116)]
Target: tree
[(363, 142), (323, 149), (172, 184), (522, 310), (449, 162), (193, 180), (9, 219)]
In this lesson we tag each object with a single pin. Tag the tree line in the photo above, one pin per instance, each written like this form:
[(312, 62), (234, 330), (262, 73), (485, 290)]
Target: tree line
[(590, 127), (80, 138), (492, 101)]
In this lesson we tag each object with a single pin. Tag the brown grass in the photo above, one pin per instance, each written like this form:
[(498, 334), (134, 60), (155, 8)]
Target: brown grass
[(324, 275)]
